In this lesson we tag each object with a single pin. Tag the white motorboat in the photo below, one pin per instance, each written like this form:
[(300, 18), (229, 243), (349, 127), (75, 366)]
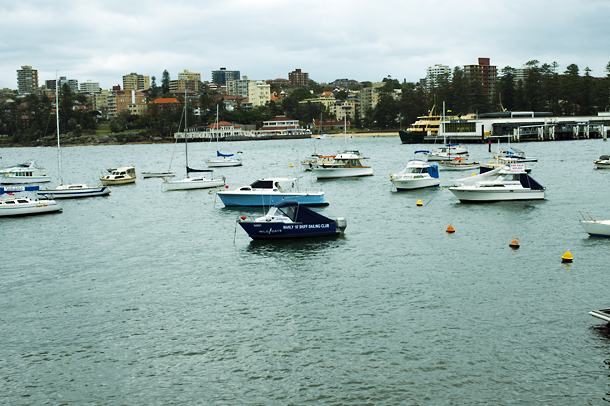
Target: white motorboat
[(595, 228), (270, 191), (514, 156), (12, 205), (418, 174), (146, 175), (345, 164), (120, 176), (603, 162), (502, 183), (448, 152), (223, 160), (198, 182), (458, 164), (72, 190), (24, 173), (309, 162)]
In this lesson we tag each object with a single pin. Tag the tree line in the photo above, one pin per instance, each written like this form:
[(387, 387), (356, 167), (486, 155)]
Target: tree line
[(32, 117)]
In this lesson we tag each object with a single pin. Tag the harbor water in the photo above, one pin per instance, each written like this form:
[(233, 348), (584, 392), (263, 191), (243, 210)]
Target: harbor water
[(146, 297)]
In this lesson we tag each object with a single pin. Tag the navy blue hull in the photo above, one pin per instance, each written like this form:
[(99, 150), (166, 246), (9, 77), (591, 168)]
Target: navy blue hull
[(275, 231)]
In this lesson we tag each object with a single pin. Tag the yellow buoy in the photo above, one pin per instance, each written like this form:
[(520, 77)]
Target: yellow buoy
[(567, 257), (291, 165), (450, 229), (514, 244), (473, 174), (419, 203)]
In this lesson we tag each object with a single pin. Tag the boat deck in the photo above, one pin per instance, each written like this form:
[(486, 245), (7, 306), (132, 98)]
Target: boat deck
[(603, 314)]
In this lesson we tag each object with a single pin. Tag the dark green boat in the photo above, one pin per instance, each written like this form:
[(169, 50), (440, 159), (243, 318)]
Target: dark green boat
[(411, 137)]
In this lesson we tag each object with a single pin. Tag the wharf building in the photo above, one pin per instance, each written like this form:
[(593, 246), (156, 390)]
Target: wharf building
[(27, 80)]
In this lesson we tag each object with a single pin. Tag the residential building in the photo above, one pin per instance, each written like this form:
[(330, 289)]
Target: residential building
[(27, 80), (186, 75), (72, 84), (166, 103), (434, 73), (221, 76), (182, 84), (298, 78), (136, 82), (485, 73), (259, 93), (521, 73), (99, 101), (369, 97), (342, 108), (238, 87), (90, 87), (123, 100), (341, 83)]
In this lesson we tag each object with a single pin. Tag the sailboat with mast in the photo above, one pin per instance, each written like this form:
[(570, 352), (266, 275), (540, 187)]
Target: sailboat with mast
[(71, 190), (222, 160), (205, 181)]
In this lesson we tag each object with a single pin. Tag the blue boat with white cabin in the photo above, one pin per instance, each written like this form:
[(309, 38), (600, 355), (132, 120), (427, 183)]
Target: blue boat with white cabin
[(292, 220)]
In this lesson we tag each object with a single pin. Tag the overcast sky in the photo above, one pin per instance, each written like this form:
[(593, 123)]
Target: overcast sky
[(267, 39)]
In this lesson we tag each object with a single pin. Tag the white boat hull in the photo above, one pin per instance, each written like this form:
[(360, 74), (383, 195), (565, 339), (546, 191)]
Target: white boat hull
[(458, 167), (146, 175), (193, 183), (602, 165), (411, 184), (596, 228), (474, 194), (331, 173), (212, 163), (21, 180), (69, 193), (33, 207)]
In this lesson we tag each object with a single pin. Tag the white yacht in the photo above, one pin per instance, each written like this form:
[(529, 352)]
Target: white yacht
[(502, 183), (12, 205), (120, 176), (198, 182), (223, 160), (603, 162), (448, 152), (345, 164), (270, 191), (418, 174), (24, 173)]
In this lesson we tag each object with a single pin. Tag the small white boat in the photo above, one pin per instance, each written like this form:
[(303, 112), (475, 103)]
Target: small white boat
[(146, 175), (458, 164), (344, 165), (603, 162), (595, 228), (322, 137), (120, 176), (74, 190), (514, 156), (12, 205), (500, 184), (309, 162), (23, 173), (270, 191), (418, 174), (198, 182), (448, 152), (224, 160)]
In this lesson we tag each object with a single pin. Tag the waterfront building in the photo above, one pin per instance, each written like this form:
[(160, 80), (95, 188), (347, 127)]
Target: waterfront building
[(298, 78), (136, 82), (27, 80), (434, 73), (221, 76), (485, 73)]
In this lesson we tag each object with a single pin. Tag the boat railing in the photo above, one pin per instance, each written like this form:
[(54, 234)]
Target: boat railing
[(586, 216)]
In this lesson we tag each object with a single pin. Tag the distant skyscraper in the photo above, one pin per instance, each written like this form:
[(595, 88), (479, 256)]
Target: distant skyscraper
[(485, 73), (72, 83), (298, 78), (221, 76), (27, 80), (433, 73), (90, 87)]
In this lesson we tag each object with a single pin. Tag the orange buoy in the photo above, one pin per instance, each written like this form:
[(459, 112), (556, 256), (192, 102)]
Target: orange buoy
[(514, 244), (243, 217), (450, 229), (567, 257), (419, 203)]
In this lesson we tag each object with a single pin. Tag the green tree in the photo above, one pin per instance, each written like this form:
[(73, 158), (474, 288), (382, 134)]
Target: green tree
[(165, 82)]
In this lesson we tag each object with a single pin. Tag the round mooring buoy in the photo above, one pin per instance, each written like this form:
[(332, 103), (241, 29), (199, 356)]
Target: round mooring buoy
[(514, 244), (567, 257), (450, 229), (419, 203)]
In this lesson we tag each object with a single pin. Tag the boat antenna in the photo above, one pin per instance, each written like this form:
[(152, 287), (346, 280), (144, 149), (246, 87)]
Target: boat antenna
[(57, 122)]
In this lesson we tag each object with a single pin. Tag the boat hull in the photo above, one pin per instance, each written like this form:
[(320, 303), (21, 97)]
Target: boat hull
[(31, 209), (602, 165), (193, 184), (146, 175), (332, 173), (74, 193), (235, 198), (466, 194), (274, 231), (458, 167), (22, 180), (596, 228), (223, 163), (411, 137), (413, 184), (113, 182)]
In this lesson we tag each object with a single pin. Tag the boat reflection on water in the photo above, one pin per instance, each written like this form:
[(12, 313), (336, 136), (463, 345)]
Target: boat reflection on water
[(310, 248)]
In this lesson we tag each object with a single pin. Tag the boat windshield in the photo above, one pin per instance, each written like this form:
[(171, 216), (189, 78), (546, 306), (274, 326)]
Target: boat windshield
[(287, 211), (416, 170)]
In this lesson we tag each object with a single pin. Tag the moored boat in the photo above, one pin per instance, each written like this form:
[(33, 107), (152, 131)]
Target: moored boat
[(447, 152), (205, 181), (146, 175), (418, 174), (270, 191), (292, 220), (595, 228), (344, 165), (120, 176), (12, 205), (223, 160), (458, 164), (74, 190), (603, 162), (24, 173)]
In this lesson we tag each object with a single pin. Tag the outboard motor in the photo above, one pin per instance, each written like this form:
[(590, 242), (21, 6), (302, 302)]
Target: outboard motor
[(433, 171)]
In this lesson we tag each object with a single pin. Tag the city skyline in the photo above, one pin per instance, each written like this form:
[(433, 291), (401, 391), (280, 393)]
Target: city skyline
[(366, 42)]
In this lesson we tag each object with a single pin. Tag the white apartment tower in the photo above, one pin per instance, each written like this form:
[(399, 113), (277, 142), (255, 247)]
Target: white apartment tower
[(433, 73), (259, 92)]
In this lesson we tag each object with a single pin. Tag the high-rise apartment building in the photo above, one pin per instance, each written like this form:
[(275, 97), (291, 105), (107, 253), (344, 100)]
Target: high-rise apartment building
[(136, 82), (221, 76), (90, 87), (27, 80), (259, 92), (433, 73), (298, 78), (485, 73), (131, 101), (238, 87), (72, 83)]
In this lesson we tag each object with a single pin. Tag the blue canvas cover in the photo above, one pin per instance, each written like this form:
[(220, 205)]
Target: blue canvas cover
[(219, 154), (301, 214), (433, 171), (527, 181)]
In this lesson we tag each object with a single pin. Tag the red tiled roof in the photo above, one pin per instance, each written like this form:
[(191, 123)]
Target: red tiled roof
[(223, 124), (166, 100)]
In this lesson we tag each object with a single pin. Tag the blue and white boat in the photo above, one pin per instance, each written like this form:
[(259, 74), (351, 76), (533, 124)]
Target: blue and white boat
[(223, 160), (447, 152), (270, 191), (13, 205), (418, 174), (292, 220)]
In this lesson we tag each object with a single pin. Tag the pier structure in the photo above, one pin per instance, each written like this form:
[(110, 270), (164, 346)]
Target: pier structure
[(521, 126)]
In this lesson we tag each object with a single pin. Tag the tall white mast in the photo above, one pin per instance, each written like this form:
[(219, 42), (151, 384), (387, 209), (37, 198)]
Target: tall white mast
[(57, 121)]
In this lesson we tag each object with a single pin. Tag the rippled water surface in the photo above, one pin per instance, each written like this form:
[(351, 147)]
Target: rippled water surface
[(151, 297)]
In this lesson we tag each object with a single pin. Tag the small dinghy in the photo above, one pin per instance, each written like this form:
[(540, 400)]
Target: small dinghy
[(292, 220)]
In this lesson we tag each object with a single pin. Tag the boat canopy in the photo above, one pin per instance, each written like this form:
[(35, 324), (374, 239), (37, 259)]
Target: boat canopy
[(528, 182), (300, 214), (423, 151), (433, 171), (226, 155)]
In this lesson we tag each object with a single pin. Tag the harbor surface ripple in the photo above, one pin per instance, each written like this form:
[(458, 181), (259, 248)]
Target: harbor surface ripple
[(149, 297)]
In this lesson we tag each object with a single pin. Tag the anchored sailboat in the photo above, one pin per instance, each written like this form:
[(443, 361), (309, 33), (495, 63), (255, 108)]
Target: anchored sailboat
[(222, 160)]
